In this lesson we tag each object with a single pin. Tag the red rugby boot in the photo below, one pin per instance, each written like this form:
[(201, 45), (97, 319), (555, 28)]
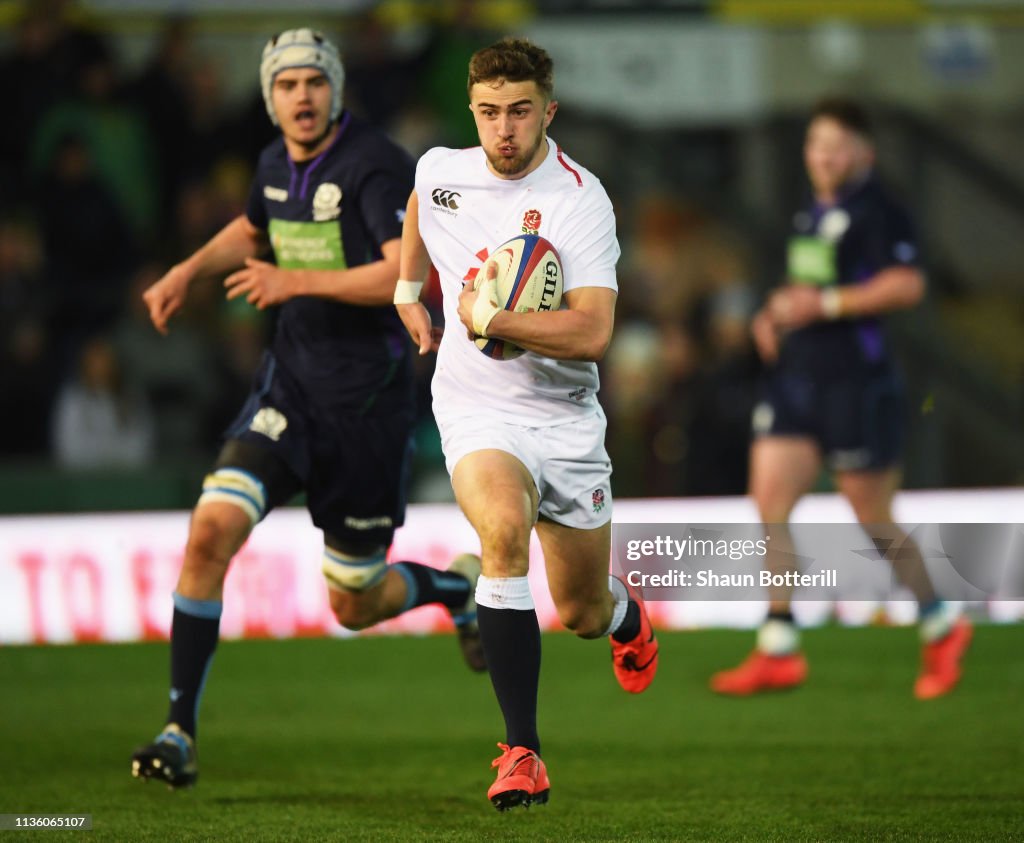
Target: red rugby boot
[(761, 672), (941, 671), (636, 661), (522, 779)]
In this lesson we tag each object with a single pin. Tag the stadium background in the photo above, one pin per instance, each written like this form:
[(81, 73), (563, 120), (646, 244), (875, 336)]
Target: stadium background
[(132, 127), (128, 135)]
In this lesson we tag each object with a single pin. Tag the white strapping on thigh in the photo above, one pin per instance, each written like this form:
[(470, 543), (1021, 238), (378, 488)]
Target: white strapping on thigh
[(353, 573), (233, 485)]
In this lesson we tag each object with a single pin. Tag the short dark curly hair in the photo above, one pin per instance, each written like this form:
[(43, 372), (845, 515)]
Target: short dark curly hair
[(847, 112), (514, 60)]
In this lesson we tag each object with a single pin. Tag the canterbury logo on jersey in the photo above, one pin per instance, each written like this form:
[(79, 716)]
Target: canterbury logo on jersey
[(446, 198)]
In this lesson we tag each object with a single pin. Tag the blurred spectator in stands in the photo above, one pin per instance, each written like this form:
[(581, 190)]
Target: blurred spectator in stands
[(690, 269), (379, 64), (178, 374), (90, 249), (114, 135), (633, 384), (380, 61), (181, 93), (50, 51), (100, 420), (687, 282), (160, 93), (205, 205), (242, 337), (459, 29), (27, 380), (210, 126), (252, 130), (417, 129)]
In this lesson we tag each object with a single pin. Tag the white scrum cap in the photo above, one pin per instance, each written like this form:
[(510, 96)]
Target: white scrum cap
[(301, 48)]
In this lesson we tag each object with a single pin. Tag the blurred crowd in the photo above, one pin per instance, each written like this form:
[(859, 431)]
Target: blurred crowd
[(109, 176)]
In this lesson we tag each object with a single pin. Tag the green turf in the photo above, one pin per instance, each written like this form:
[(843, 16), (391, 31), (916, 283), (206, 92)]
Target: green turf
[(390, 739)]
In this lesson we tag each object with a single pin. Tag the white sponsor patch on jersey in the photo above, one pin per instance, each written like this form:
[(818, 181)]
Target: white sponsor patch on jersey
[(368, 523), (275, 194), (270, 422), (327, 202), (833, 224)]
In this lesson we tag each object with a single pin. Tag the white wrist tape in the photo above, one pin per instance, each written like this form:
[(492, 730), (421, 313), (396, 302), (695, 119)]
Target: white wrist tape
[(486, 306), (831, 303), (407, 292)]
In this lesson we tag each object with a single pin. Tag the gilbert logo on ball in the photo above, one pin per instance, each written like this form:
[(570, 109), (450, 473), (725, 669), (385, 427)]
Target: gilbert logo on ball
[(528, 278)]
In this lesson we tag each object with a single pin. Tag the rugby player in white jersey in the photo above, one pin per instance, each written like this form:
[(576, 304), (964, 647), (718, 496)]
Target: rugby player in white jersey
[(524, 438)]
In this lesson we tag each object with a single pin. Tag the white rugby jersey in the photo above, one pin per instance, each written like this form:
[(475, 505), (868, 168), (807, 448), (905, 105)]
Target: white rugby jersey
[(465, 213)]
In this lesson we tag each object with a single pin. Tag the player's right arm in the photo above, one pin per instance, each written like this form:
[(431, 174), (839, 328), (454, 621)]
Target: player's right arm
[(226, 250), (414, 264), (766, 337)]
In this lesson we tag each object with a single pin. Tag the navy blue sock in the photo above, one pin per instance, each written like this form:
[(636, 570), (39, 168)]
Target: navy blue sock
[(428, 585), (630, 627), (511, 642), (194, 633)]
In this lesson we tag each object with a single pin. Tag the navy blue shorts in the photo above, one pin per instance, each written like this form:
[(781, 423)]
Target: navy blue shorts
[(857, 422), (354, 468)]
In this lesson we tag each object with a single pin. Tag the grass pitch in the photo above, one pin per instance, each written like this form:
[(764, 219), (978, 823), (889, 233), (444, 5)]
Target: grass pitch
[(390, 739)]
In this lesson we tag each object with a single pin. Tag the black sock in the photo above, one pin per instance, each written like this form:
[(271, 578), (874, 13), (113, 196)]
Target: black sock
[(630, 627), (429, 585), (511, 641), (781, 615), (193, 641)]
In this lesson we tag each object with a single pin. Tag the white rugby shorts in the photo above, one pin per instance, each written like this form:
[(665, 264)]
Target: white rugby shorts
[(568, 462)]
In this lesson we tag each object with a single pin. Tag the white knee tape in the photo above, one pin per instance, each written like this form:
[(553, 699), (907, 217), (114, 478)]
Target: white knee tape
[(232, 485), (504, 593), (353, 573)]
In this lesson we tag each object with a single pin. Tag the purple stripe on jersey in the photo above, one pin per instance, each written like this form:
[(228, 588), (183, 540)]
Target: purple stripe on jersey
[(294, 172), (869, 330), (396, 343), (872, 343), (316, 161)]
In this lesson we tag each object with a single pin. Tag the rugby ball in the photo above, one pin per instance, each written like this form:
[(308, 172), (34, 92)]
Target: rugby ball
[(529, 278)]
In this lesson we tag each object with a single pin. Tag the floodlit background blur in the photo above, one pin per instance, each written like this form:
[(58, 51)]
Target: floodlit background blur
[(130, 130)]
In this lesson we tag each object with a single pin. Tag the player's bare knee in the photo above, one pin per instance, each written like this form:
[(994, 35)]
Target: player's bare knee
[(232, 502), (355, 576), (353, 610), (583, 619), (210, 546), (506, 548)]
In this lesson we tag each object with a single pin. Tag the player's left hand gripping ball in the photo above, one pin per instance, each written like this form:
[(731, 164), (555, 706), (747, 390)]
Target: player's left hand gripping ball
[(522, 275), (486, 306)]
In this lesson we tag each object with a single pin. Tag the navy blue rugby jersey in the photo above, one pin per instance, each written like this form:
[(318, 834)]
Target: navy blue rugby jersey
[(334, 212), (845, 244)]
